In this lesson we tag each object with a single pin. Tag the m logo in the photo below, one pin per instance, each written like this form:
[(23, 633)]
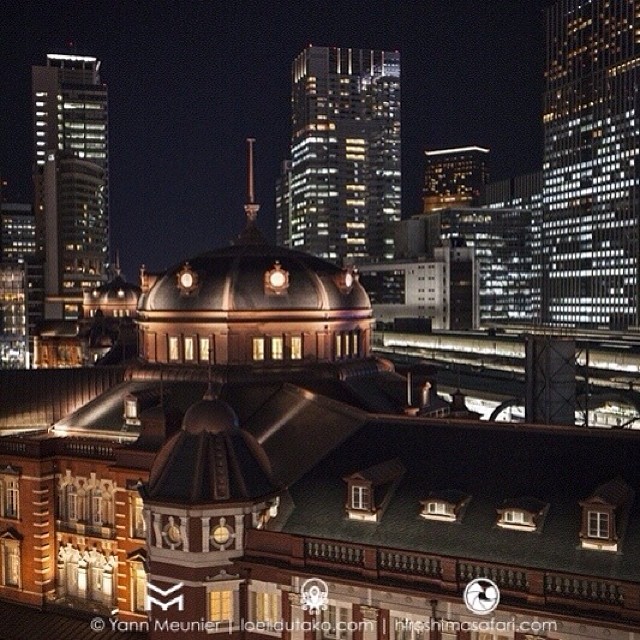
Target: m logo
[(164, 603)]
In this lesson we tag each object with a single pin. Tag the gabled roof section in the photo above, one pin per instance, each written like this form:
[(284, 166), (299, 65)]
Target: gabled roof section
[(615, 493), (381, 473)]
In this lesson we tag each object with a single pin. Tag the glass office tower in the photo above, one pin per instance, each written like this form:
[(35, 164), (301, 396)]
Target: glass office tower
[(590, 226), (71, 177), (344, 177)]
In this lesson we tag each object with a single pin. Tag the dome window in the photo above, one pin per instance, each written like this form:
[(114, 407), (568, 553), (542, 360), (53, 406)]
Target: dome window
[(187, 280), (276, 280), (345, 280)]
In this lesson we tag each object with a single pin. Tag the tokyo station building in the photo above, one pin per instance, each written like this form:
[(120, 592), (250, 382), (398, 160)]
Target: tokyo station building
[(256, 443)]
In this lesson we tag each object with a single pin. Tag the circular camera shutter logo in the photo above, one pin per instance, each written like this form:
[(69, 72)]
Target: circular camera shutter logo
[(482, 596)]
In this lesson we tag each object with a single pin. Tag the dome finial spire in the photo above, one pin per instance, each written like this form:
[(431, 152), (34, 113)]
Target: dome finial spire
[(251, 208)]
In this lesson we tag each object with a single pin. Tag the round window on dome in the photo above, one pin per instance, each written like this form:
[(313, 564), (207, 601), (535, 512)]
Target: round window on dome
[(187, 279), (276, 280)]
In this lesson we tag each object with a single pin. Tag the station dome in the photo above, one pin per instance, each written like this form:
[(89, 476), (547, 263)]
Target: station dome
[(252, 303)]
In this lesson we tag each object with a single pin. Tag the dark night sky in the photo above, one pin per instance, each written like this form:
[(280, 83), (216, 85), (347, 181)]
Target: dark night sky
[(189, 81)]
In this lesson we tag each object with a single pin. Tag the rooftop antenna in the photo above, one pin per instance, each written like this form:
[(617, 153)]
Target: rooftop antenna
[(251, 208), (117, 265)]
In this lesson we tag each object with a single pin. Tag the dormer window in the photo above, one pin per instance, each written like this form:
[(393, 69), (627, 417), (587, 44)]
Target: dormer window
[(598, 525), (604, 515), (361, 497), (522, 514), (131, 410), (446, 506), (369, 491)]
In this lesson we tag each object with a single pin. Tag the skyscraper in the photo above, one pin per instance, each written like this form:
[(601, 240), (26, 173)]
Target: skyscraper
[(71, 176), (590, 226), (345, 189), (455, 177)]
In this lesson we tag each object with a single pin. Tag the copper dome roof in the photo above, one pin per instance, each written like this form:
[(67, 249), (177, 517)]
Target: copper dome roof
[(234, 279), (209, 460), (116, 291)]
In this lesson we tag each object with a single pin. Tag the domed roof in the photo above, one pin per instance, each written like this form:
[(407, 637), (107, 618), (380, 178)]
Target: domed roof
[(209, 460), (255, 276), (210, 415), (116, 291)]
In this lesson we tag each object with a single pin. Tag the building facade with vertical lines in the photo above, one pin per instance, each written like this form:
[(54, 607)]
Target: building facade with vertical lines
[(590, 228), (71, 178), (345, 190)]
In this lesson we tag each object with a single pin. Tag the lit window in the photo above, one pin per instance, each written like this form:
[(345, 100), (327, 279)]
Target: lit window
[(258, 348), (96, 510), (296, 347), (335, 622), (338, 345), (138, 524), (72, 503), (516, 517), (188, 349), (267, 607), (174, 351), (10, 558), (139, 578), (360, 498), (355, 346), (11, 498), (439, 508), (131, 409), (598, 525), (277, 349), (221, 606), (204, 349)]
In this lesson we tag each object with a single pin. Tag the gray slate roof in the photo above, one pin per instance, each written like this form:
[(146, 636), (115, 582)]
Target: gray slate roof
[(490, 464)]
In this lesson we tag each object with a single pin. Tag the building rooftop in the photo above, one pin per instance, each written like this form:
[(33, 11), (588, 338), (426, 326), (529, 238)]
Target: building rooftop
[(490, 465)]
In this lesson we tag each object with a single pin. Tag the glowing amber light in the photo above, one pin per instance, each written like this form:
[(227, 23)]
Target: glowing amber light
[(277, 279)]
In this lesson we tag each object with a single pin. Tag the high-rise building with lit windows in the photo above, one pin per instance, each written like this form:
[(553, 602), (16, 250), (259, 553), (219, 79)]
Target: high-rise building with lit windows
[(590, 226), (455, 177), (71, 177), (345, 189)]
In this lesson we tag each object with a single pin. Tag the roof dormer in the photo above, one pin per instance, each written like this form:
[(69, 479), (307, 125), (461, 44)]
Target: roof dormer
[(522, 514), (604, 515), (446, 506), (369, 490)]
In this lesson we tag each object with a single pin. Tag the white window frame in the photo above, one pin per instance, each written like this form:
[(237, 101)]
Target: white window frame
[(360, 497), (11, 503), (602, 520)]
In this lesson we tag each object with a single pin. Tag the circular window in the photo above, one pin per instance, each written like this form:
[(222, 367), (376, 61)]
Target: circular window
[(277, 279), (221, 535), (186, 279), (173, 534)]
